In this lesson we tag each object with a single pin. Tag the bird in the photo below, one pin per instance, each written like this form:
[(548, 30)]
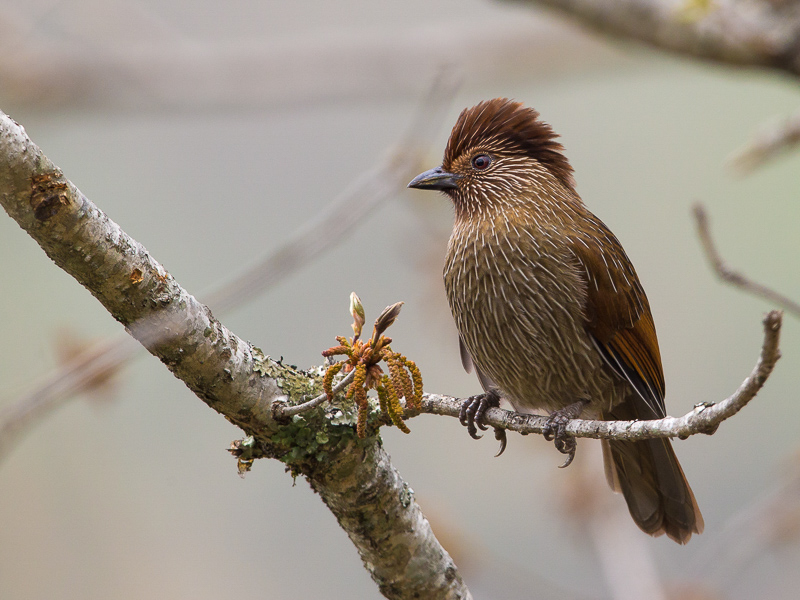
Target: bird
[(549, 309)]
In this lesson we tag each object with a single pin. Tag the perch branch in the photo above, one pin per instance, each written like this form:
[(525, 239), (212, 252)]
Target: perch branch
[(703, 418)]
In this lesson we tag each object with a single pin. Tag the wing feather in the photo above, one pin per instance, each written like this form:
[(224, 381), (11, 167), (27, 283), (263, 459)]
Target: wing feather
[(618, 314)]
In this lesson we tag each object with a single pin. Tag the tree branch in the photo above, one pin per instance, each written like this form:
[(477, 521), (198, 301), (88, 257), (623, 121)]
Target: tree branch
[(742, 33), (374, 187), (354, 477), (131, 285), (726, 273), (772, 140), (703, 418)]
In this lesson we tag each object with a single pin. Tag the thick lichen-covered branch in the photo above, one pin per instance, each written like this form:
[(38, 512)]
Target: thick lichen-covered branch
[(137, 290), (353, 476)]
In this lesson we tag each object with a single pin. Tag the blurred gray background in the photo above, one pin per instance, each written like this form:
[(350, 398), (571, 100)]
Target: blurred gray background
[(211, 131)]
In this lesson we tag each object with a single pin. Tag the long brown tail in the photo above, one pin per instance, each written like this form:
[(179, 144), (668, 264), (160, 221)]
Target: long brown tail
[(651, 479)]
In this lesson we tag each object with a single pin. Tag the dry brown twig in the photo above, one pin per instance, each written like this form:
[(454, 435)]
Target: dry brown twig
[(726, 273)]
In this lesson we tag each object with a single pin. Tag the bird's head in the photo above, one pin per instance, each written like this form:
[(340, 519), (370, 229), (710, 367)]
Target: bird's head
[(499, 152)]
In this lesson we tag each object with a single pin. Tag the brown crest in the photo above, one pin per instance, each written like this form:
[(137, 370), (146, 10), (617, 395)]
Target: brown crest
[(503, 124)]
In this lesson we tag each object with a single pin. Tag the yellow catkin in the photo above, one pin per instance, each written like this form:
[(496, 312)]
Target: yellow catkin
[(336, 350), (361, 427), (395, 409), (416, 376), (358, 381), (360, 397), (327, 381), (383, 398), (395, 372), (408, 388)]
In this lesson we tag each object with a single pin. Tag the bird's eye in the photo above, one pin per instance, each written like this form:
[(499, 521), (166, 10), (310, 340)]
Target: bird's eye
[(481, 162)]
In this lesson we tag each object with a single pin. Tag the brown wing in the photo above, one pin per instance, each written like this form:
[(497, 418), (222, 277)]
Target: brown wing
[(618, 314)]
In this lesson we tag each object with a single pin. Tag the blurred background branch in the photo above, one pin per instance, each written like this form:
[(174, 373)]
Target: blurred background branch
[(751, 33), (168, 67), (730, 275), (769, 142)]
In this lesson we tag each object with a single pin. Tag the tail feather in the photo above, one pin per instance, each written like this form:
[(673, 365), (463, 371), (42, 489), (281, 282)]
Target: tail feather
[(652, 481)]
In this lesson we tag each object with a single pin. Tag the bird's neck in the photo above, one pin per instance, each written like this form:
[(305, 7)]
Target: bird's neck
[(538, 212)]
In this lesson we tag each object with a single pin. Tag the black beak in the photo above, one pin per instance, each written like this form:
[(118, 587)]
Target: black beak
[(435, 179)]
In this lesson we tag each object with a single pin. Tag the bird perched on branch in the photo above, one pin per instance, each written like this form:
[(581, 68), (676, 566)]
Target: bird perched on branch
[(549, 309)]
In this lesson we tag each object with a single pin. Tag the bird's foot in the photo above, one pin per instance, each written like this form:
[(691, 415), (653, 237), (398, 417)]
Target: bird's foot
[(555, 429), (471, 417)]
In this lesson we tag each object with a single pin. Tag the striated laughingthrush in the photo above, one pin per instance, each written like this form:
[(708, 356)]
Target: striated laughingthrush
[(548, 306)]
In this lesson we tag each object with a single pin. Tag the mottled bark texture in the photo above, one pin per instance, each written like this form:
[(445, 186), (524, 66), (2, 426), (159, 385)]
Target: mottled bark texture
[(138, 292), (354, 477), (743, 32), (377, 510)]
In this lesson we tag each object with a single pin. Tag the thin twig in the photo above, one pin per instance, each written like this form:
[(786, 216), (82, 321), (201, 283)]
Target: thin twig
[(771, 141), (704, 418), (281, 410), (726, 273)]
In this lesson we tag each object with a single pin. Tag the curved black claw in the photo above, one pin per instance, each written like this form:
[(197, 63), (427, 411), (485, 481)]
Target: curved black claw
[(471, 417), (555, 429), (472, 407), (500, 436), (567, 446)]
